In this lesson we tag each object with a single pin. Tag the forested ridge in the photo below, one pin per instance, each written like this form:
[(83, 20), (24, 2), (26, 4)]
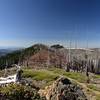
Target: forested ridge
[(19, 55)]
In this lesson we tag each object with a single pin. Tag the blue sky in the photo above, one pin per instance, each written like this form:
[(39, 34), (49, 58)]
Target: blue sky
[(25, 22)]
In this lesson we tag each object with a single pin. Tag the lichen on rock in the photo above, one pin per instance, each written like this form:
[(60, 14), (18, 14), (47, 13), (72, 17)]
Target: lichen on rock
[(63, 89)]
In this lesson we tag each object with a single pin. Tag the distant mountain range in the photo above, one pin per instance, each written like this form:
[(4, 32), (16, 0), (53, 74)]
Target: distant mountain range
[(5, 51)]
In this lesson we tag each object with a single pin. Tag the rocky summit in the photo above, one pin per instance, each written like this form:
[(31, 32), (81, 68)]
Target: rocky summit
[(63, 89)]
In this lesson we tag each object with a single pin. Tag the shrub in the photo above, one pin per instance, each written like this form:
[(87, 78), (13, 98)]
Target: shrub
[(19, 92)]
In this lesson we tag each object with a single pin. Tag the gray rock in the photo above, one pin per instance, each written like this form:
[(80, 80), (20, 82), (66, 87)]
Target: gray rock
[(65, 90)]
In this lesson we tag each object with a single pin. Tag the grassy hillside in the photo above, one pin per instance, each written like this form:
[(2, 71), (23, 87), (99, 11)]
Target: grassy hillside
[(44, 77), (51, 74)]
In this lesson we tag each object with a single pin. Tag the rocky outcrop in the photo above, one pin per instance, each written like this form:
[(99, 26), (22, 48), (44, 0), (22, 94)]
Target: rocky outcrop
[(62, 89)]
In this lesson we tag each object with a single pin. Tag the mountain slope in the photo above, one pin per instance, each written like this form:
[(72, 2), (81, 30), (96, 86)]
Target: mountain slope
[(40, 55)]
